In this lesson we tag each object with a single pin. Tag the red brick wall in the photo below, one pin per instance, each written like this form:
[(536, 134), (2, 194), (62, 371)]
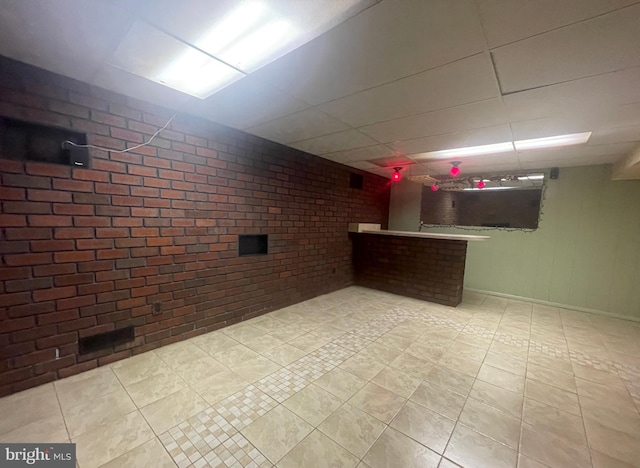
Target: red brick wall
[(428, 269), (439, 207), (85, 251)]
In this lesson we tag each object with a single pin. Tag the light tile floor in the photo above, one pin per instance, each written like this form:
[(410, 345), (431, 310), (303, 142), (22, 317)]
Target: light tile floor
[(360, 378)]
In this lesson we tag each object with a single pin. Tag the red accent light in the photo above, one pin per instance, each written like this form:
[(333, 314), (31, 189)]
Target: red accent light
[(396, 176), (481, 184), (455, 171), (434, 188)]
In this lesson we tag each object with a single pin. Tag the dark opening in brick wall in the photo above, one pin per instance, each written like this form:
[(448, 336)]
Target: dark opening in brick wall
[(106, 340), (26, 141), (356, 181), (257, 244)]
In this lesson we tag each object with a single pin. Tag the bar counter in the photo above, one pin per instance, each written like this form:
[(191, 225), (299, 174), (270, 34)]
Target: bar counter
[(427, 266)]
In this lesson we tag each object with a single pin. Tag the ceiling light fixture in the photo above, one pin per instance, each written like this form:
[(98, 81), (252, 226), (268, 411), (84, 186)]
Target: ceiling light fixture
[(253, 50), (243, 41), (469, 151), (532, 177), (553, 141), (490, 188), (232, 27), (397, 175), (455, 170), (507, 146), (197, 74), (223, 45)]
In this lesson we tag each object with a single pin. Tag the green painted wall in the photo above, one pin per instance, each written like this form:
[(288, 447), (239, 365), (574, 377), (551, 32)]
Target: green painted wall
[(585, 253)]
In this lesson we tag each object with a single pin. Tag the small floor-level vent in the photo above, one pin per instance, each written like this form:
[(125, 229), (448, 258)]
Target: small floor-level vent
[(107, 340)]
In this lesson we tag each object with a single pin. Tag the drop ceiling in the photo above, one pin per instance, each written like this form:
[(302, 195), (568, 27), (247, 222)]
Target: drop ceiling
[(388, 80)]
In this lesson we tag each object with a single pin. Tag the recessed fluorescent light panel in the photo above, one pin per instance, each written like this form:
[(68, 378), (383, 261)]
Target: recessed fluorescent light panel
[(249, 36), (532, 177), (488, 188), (148, 52), (233, 40), (519, 145), (553, 141), (468, 151), (197, 74)]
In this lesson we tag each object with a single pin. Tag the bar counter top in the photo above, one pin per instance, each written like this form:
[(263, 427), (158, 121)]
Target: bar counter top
[(371, 228), (427, 235)]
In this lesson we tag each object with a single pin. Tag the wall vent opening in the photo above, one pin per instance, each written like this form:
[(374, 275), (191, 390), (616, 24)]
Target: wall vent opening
[(253, 245), (107, 340)]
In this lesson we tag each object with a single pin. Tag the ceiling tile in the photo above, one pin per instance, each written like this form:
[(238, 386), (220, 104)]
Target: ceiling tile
[(247, 103), (600, 45), (621, 116), (378, 46), (365, 165), (393, 161), (579, 96), (334, 142), (135, 86), (303, 125), (576, 153), (462, 82), (507, 21), (360, 154), (587, 161), (69, 37), (615, 135), (551, 126), (382, 171), (465, 117), (476, 137), (607, 118)]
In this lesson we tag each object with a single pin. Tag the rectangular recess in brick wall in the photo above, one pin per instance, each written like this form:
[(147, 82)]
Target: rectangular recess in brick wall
[(253, 245), (356, 181), (107, 340), (26, 141)]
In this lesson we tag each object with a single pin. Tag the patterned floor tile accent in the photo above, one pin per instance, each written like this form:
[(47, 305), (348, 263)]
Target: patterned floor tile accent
[(591, 361), (334, 353), (282, 384), (344, 346), (370, 333), (511, 340), (245, 406), (549, 350), (310, 367), (209, 440), (480, 332)]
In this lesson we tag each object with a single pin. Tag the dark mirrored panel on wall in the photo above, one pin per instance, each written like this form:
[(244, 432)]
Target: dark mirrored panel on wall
[(505, 201)]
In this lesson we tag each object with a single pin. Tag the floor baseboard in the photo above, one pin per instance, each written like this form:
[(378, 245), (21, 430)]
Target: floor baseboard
[(556, 304)]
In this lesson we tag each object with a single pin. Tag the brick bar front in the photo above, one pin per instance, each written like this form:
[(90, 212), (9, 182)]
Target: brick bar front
[(422, 268)]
